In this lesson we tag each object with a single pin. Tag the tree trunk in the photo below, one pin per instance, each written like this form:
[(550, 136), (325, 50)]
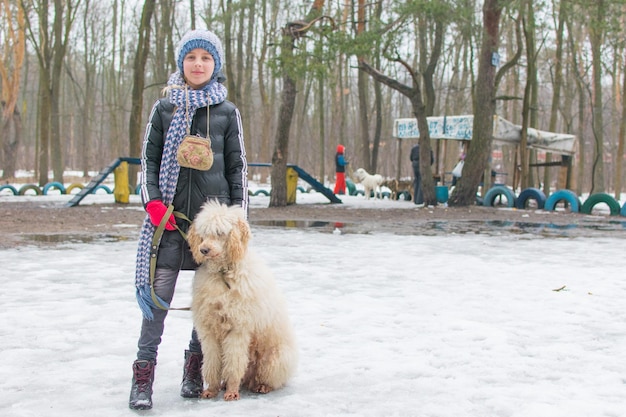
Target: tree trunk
[(139, 68), (524, 151), (11, 63), (364, 122), (63, 19), (619, 163), (414, 94), (363, 94), (11, 136), (477, 157), (278, 197), (595, 38), (44, 128), (280, 156), (556, 94)]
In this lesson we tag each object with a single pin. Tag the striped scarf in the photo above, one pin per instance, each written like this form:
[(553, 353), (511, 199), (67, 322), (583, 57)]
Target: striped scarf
[(183, 98)]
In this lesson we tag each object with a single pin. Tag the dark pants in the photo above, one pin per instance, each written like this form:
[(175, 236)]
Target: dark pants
[(152, 330), (418, 196)]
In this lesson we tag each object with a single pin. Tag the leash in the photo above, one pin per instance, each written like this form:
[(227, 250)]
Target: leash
[(155, 248)]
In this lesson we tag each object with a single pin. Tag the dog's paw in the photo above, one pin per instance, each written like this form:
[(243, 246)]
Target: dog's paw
[(262, 389), (208, 393), (231, 395)]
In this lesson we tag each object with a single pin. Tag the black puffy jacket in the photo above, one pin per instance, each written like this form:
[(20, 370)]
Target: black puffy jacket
[(226, 181)]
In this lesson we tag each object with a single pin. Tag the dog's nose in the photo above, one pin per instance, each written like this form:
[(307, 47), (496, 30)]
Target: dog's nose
[(204, 251)]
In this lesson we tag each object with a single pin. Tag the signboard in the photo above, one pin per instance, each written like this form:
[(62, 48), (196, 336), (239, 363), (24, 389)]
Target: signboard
[(504, 132), (439, 127)]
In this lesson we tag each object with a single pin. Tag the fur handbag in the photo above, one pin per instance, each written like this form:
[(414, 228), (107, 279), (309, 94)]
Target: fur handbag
[(195, 151)]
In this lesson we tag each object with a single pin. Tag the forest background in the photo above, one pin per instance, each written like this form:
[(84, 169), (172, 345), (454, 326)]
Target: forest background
[(78, 78)]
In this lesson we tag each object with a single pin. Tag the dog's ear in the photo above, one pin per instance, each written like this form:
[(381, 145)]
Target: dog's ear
[(238, 240), (194, 240)]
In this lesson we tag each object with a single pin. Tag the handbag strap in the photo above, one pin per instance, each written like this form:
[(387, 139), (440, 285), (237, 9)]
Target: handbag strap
[(155, 248), (187, 113)]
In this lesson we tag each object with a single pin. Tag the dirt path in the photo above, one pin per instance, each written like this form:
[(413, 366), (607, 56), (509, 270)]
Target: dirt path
[(45, 224)]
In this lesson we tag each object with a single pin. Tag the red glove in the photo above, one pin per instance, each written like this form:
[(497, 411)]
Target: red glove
[(156, 210)]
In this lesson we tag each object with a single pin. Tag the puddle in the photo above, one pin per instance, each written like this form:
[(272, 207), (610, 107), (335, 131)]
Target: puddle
[(435, 228), (62, 238)]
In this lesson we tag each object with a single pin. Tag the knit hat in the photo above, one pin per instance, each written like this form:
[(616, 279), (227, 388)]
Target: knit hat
[(204, 39)]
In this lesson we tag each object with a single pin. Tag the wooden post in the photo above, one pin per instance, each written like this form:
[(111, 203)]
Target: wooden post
[(121, 192)]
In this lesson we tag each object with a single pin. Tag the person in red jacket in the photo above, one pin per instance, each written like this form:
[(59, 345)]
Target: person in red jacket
[(340, 170)]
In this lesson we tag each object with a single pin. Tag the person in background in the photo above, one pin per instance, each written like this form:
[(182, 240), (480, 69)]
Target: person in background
[(418, 196), (340, 170), (195, 104), (457, 171)]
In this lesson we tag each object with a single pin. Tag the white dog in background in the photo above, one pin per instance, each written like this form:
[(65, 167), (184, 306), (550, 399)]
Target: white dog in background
[(238, 311), (371, 183)]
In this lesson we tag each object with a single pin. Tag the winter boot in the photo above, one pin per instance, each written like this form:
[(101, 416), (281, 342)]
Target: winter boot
[(141, 390), (191, 387)]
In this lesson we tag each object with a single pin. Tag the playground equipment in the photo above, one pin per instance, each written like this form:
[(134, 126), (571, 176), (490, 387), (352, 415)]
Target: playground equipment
[(122, 190)]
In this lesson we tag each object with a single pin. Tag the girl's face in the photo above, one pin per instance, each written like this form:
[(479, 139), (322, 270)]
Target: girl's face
[(198, 67)]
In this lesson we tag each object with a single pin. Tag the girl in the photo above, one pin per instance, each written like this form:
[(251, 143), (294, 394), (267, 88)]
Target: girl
[(195, 104)]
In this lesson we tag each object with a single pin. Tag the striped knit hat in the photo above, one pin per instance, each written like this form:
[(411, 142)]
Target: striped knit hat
[(204, 39)]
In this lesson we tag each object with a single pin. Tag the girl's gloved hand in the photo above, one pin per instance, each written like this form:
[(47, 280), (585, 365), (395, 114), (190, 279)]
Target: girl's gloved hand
[(156, 210)]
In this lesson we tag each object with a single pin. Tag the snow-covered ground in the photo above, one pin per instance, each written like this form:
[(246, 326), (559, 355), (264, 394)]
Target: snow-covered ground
[(388, 325)]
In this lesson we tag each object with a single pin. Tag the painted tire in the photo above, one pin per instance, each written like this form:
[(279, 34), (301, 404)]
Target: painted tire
[(351, 187), (52, 185), (597, 198), (560, 195), (264, 192), (74, 186), (623, 211), (29, 187), (138, 189), (496, 191), (530, 194), (102, 187), (301, 189), (405, 195), (9, 187)]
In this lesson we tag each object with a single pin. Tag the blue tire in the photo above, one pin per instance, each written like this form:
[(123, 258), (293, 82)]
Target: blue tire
[(623, 210), (530, 194), (598, 198), (52, 185), (9, 187), (496, 191), (563, 195), (264, 192)]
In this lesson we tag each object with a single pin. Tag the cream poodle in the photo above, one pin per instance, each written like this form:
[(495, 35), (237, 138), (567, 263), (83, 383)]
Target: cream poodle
[(238, 311)]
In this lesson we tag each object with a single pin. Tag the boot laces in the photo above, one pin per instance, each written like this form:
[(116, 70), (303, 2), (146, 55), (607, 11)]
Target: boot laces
[(192, 367), (143, 376)]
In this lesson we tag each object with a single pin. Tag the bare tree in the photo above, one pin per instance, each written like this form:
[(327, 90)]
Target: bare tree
[(50, 44), (10, 74), (477, 158), (291, 32), (139, 68)]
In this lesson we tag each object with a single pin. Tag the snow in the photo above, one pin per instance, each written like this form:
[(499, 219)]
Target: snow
[(387, 325)]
